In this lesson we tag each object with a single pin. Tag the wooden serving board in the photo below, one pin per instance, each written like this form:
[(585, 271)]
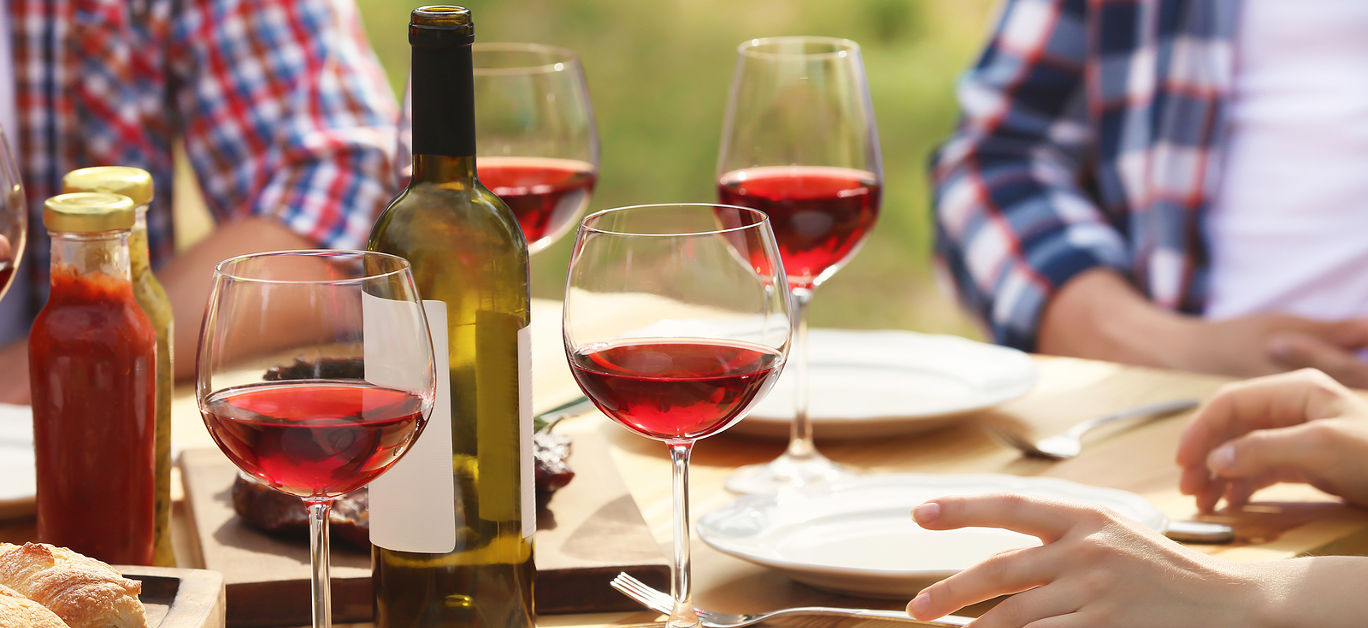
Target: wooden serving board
[(594, 531), (179, 598)]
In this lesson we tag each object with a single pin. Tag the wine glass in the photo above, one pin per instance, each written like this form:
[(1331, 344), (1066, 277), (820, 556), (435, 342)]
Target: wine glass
[(315, 374), (535, 140), (799, 143), (13, 216), (676, 324)]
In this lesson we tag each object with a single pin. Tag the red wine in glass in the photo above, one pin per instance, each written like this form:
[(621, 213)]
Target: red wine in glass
[(545, 194), (675, 389), (313, 438), (6, 273), (820, 215)]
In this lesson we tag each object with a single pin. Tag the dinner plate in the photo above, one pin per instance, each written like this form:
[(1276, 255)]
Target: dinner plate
[(16, 460), (857, 536), (865, 384)]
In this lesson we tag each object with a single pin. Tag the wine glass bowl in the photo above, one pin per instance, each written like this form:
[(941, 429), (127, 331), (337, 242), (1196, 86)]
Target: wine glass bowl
[(672, 389), (799, 143), (310, 440), (676, 323), (536, 141), (13, 216), (315, 374), (820, 215)]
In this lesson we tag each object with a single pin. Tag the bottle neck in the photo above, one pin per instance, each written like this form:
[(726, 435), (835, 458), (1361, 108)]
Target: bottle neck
[(442, 169), (139, 259), (443, 103), (82, 254)]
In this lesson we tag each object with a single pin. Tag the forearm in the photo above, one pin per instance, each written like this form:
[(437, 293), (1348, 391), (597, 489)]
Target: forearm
[(189, 277), (1101, 316), (1322, 591)]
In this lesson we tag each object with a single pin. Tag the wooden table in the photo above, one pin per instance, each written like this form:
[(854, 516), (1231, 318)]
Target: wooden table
[(1287, 521)]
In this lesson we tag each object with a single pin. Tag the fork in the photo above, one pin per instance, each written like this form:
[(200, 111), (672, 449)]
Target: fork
[(661, 602), (1070, 442)]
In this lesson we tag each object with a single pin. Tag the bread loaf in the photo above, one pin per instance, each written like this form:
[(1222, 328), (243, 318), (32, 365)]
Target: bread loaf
[(84, 592), (17, 611)]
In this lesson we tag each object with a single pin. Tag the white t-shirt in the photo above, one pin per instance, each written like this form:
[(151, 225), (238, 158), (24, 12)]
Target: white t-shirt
[(1288, 229)]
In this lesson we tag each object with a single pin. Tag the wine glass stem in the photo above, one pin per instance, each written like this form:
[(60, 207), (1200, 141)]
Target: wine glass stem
[(681, 588), (801, 444), (318, 556)]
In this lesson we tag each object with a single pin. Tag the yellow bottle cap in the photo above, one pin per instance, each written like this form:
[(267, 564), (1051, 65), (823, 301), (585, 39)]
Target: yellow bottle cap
[(135, 183), (88, 212)]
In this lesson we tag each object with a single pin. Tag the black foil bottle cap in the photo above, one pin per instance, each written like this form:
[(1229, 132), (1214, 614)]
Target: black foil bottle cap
[(441, 25)]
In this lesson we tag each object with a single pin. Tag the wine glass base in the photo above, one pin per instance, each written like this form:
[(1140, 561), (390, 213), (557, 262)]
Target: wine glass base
[(784, 472)]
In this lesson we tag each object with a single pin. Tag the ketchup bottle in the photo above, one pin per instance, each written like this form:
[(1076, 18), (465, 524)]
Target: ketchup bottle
[(92, 365), (136, 184)]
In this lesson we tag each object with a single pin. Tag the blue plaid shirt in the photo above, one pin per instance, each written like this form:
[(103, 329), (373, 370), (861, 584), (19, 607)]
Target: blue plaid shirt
[(1087, 140), (282, 108)]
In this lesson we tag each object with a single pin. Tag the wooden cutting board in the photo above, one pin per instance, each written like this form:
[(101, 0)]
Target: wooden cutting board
[(593, 532), (179, 598)]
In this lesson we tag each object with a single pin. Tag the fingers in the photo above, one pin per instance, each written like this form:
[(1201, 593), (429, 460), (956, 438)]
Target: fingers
[(1044, 519), (1003, 574), (1337, 359), (1072, 620), (1210, 495), (1197, 480), (1238, 493), (1264, 402), (1262, 458), (1247, 410), (1030, 607), (1345, 334), (1261, 452), (1069, 530)]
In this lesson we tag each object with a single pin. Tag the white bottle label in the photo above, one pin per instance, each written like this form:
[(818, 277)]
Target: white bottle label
[(529, 478), (413, 504)]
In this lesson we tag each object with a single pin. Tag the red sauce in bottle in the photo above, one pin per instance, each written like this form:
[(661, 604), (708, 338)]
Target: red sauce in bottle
[(92, 367)]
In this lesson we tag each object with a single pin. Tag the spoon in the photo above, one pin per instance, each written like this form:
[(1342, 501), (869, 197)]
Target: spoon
[(1069, 443)]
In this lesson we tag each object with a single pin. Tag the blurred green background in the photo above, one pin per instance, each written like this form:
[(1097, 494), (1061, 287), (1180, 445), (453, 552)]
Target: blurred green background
[(658, 73)]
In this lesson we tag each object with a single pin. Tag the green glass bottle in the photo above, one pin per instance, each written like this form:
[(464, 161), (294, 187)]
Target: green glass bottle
[(452, 523)]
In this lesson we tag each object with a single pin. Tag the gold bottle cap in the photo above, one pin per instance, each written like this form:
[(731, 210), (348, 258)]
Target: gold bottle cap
[(135, 183), (88, 212)]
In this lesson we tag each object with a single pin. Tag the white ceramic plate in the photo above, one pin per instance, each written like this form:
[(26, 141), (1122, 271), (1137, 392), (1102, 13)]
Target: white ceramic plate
[(857, 537), (876, 383), (16, 460)]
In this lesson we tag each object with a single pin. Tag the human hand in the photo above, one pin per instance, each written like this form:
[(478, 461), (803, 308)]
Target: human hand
[(1094, 569), (1293, 427), (1263, 344), (1099, 315)]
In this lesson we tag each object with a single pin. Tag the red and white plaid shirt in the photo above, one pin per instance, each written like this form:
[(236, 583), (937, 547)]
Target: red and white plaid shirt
[(283, 109)]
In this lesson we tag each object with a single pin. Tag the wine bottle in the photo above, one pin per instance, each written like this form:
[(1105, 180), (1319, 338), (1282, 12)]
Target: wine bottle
[(452, 523)]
